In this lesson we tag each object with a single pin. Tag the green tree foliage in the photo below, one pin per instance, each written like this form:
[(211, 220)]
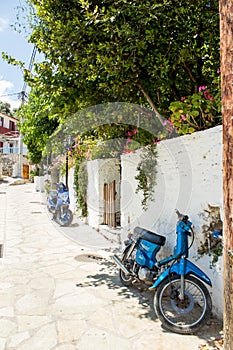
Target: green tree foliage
[(143, 52), (5, 108), (133, 51), (36, 126)]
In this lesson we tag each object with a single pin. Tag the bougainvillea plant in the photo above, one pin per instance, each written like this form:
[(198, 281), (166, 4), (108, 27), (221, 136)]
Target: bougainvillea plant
[(199, 111)]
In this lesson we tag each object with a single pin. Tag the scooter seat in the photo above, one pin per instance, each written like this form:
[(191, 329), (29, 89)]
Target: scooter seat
[(150, 236)]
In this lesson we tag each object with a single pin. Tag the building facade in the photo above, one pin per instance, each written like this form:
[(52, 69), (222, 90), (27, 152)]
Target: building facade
[(12, 151)]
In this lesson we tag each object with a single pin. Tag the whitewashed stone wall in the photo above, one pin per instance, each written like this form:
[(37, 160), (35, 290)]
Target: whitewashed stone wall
[(189, 178)]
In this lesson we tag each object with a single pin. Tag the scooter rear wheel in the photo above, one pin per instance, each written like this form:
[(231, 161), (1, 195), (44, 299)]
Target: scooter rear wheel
[(126, 279), (182, 316)]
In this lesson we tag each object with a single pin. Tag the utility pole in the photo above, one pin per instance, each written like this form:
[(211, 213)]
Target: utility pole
[(226, 44), (23, 97), (20, 170)]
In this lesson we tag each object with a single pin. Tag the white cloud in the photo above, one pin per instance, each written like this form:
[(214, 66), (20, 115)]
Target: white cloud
[(4, 86), (5, 94), (3, 24)]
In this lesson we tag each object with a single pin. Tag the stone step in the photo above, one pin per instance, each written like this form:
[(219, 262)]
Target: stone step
[(111, 234)]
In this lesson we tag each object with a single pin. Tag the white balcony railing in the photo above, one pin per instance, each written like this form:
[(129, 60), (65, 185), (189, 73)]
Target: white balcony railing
[(12, 150)]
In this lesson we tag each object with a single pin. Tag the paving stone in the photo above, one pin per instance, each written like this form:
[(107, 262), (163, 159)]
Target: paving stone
[(6, 299), (7, 327), (135, 325), (42, 282), (44, 338), (16, 339), (5, 285), (33, 303), (164, 340), (2, 343), (104, 319), (28, 323), (77, 303), (103, 340), (71, 330), (7, 311), (65, 347), (64, 287)]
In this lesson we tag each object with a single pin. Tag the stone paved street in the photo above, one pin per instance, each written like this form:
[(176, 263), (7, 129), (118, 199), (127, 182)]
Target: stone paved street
[(63, 294)]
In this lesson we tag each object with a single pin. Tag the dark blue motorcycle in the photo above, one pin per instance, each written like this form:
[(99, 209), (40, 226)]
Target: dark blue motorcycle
[(58, 205), (181, 301)]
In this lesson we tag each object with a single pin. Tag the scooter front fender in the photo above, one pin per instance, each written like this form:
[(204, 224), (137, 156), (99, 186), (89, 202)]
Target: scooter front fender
[(190, 269)]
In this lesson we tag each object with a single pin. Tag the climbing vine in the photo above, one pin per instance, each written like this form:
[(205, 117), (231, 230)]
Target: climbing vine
[(111, 141), (146, 176), (212, 231), (80, 183)]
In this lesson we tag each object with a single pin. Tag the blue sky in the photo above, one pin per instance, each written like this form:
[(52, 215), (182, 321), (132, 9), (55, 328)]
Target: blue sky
[(16, 45)]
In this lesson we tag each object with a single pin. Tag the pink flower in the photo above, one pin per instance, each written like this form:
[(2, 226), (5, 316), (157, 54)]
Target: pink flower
[(135, 131), (128, 140), (87, 154), (170, 129), (183, 117), (211, 99), (183, 98), (167, 121), (129, 133), (155, 142), (218, 70), (201, 88), (127, 151), (207, 95)]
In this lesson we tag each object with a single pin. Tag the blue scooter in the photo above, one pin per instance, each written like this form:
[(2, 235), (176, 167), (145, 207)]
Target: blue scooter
[(58, 204), (182, 302)]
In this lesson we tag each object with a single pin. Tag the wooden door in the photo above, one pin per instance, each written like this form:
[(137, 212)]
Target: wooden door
[(25, 171), (109, 204)]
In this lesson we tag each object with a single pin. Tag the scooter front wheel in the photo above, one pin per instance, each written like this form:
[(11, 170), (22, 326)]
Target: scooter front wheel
[(65, 218), (182, 316), (50, 209)]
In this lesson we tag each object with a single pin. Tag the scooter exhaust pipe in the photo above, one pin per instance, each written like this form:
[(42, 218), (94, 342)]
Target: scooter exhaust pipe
[(121, 266)]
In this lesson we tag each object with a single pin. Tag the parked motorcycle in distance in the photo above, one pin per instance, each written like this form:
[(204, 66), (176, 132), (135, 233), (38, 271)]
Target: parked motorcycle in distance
[(182, 302), (58, 205)]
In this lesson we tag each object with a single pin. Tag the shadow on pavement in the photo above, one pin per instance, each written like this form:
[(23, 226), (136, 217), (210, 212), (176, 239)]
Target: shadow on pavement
[(109, 276)]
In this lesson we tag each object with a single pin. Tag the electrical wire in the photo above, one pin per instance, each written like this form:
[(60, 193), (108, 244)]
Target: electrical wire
[(33, 55), (16, 93), (23, 92)]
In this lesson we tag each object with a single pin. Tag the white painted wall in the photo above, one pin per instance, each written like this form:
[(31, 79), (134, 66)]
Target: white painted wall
[(93, 193), (72, 193), (71, 187), (101, 171), (189, 177)]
